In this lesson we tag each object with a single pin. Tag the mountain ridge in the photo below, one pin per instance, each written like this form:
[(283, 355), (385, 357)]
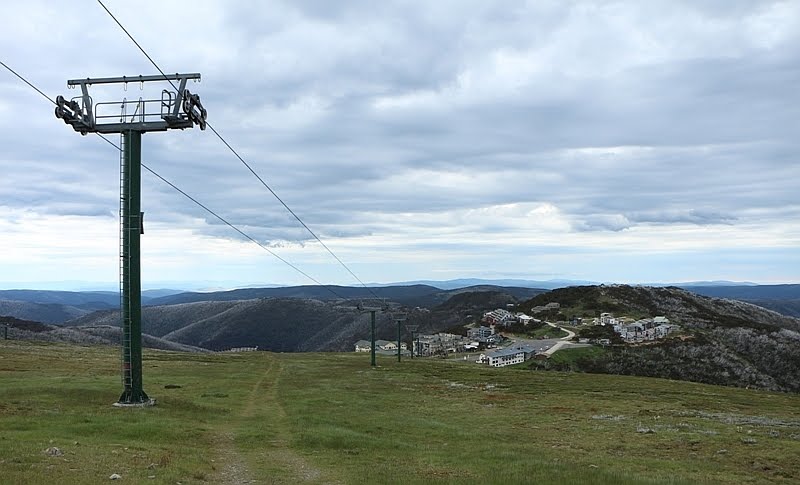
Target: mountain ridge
[(722, 341)]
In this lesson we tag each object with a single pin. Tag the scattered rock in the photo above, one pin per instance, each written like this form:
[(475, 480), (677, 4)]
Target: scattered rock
[(153, 465), (774, 434), (722, 451), (645, 430), (151, 477), (115, 476), (608, 417), (53, 451), (749, 441)]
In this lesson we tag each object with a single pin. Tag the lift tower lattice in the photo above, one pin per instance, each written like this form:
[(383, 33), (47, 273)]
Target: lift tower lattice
[(178, 109)]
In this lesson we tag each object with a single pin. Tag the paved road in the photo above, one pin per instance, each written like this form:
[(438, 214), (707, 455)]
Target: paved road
[(563, 344), (539, 344), (551, 346), (547, 346), (570, 333)]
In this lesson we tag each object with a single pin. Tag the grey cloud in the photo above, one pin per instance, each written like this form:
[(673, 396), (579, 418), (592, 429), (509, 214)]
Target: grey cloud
[(718, 132), (603, 222), (691, 216), (619, 222)]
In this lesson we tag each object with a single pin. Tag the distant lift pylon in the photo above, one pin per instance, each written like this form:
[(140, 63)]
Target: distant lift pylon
[(175, 110)]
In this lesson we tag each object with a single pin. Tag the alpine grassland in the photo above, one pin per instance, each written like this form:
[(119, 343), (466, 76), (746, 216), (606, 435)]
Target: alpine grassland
[(261, 417)]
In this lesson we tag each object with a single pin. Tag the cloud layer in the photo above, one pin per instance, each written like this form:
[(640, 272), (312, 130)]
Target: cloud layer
[(436, 138)]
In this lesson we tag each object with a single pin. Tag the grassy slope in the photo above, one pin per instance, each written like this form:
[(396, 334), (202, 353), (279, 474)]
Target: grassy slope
[(322, 418)]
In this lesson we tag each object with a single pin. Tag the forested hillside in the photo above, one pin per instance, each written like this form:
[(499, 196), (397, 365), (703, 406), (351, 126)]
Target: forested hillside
[(723, 341)]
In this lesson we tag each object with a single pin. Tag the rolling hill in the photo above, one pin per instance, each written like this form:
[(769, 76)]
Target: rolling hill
[(277, 324), (41, 312), (92, 334), (293, 324), (723, 341), (59, 306), (410, 295)]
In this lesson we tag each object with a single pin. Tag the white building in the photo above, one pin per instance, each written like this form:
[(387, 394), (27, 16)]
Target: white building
[(524, 319), (480, 332), (380, 346), (503, 357), (646, 329), (440, 343), (497, 316)]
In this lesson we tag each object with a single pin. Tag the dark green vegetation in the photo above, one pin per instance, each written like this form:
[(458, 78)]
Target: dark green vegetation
[(533, 330), (679, 305), (330, 418), (599, 332), (18, 329), (722, 342), (575, 359), (295, 324)]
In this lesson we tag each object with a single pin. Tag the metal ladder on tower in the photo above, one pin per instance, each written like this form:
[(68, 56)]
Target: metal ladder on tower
[(124, 261)]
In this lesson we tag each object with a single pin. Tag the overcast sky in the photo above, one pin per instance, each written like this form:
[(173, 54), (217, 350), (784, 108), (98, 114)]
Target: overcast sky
[(606, 141)]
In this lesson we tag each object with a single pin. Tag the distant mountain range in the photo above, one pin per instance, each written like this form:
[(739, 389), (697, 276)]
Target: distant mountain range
[(60, 306), (783, 299), (547, 284), (78, 298), (467, 282)]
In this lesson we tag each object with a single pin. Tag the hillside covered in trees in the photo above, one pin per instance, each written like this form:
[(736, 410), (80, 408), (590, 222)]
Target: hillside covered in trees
[(722, 341)]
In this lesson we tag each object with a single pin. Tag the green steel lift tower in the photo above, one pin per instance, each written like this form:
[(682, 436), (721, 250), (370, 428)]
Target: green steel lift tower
[(178, 109)]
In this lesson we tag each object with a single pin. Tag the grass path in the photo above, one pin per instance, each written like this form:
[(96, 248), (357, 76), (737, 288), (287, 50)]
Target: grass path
[(273, 458), (233, 469)]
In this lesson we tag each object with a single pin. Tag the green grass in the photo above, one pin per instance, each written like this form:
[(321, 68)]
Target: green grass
[(545, 331), (569, 356), (330, 418)]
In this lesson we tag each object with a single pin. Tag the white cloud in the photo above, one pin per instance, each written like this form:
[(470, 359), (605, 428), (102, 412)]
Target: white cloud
[(481, 137)]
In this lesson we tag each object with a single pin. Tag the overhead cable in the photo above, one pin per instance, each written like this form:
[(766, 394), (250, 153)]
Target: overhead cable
[(249, 167), (204, 207)]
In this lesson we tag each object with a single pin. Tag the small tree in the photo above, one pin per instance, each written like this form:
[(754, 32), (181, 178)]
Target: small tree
[(597, 332)]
